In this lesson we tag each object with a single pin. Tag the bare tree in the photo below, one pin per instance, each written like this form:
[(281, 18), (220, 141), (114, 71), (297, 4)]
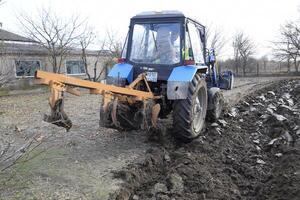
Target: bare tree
[(12, 152), (112, 47), (114, 43), (87, 37), (54, 33), (288, 45), (109, 48), (215, 39), (243, 48)]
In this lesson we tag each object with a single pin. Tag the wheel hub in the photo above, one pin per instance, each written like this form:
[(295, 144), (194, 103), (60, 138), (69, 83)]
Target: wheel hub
[(197, 115)]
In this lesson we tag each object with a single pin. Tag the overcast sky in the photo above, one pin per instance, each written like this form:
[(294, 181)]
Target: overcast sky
[(260, 19)]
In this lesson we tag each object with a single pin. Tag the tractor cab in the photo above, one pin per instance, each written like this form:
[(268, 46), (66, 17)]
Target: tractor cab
[(157, 42)]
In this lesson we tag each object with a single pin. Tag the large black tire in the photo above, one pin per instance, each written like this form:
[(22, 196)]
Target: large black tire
[(189, 114)]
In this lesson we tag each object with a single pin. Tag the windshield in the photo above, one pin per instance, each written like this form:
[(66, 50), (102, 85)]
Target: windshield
[(156, 43)]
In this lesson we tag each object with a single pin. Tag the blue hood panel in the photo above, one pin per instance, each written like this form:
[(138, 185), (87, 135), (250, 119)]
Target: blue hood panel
[(123, 71)]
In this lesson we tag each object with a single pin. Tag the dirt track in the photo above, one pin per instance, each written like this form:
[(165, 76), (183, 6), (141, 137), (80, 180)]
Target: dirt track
[(76, 164)]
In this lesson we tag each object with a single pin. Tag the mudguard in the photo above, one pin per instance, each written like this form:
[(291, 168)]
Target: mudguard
[(119, 74), (179, 80)]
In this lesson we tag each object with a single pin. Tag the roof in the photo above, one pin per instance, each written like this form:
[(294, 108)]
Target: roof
[(38, 50), (160, 14), (163, 14), (9, 36)]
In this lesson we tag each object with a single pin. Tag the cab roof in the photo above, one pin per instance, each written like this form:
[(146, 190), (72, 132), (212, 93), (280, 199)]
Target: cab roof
[(159, 14)]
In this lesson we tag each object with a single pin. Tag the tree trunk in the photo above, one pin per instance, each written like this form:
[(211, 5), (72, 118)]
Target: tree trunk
[(54, 63), (288, 65), (280, 67), (236, 67), (244, 67), (84, 59), (60, 63), (296, 64)]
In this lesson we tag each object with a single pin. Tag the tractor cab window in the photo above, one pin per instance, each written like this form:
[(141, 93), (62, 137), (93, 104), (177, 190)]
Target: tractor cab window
[(124, 49), (188, 52), (156, 43), (197, 44)]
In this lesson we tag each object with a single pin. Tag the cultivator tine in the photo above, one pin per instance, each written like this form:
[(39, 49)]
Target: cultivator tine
[(56, 101), (155, 113), (114, 113), (58, 116)]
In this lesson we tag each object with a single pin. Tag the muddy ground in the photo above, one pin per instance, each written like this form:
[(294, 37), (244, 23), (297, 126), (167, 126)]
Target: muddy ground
[(78, 164), (252, 153)]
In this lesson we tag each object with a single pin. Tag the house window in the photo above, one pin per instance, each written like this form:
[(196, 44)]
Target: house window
[(25, 68), (75, 67)]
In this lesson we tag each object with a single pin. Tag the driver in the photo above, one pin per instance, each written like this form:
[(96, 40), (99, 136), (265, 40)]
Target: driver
[(165, 45)]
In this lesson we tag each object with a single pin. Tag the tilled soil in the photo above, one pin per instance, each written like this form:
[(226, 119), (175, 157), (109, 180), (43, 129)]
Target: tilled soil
[(77, 164), (252, 153)]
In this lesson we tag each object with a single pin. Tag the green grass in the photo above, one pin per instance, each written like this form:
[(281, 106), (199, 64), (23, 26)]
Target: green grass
[(7, 91), (53, 171), (4, 92)]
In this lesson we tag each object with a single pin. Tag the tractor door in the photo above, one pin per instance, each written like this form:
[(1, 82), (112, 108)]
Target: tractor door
[(195, 42)]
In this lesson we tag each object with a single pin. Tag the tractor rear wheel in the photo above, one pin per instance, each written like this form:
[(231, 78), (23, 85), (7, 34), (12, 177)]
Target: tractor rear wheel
[(189, 114)]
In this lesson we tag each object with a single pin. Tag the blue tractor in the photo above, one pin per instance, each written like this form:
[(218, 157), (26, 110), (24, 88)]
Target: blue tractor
[(165, 68), (170, 49)]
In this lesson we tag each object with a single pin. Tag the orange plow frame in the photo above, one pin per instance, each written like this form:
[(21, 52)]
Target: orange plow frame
[(60, 83)]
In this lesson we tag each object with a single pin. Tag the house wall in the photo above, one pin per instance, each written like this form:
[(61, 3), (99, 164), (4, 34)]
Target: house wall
[(7, 65)]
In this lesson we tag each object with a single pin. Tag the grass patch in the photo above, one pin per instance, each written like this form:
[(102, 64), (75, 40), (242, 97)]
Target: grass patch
[(53, 172), (4, 92), (28, 165)]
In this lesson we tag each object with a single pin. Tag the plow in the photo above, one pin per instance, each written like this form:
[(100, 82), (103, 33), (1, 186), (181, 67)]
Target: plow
[(122, 108), (165, 68)]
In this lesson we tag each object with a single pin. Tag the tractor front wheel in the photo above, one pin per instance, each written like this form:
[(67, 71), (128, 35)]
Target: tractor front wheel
[(189, 114)]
